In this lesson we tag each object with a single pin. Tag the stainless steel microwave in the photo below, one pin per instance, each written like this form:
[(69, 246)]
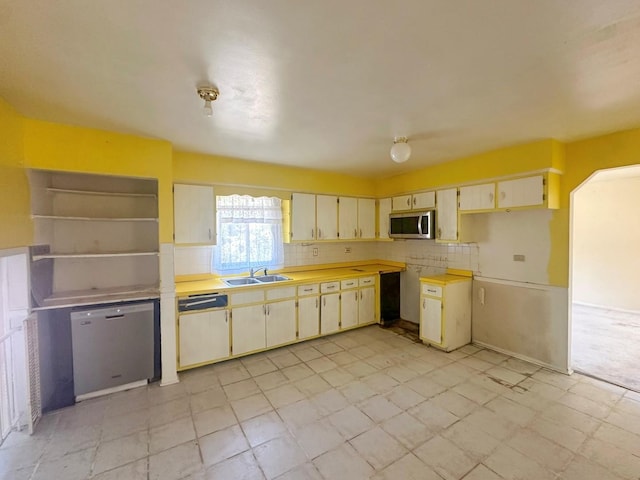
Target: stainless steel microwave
[(412, 224)]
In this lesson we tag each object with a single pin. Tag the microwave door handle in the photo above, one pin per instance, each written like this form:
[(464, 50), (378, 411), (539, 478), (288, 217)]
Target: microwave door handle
[(420, 225)]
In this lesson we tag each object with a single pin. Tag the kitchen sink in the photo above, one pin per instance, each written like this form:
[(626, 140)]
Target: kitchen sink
[(271, 278), (234, 282)]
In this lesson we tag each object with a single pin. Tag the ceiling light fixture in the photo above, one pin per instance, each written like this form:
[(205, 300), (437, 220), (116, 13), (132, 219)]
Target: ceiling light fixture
[(208, 94), (400, 150)]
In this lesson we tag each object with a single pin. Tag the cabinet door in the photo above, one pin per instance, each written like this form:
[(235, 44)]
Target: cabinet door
[(281, 322), (330, 313), (447, 215), (303, 216), (367, 306), (402, 202), (478, 197), (349, 308), (521, 192), (366, 218), (424, 200), (327, 217), (194, 216), (308, 317), (204, 337), (384, 209), (248, 328), (348, 218), (431, 320)]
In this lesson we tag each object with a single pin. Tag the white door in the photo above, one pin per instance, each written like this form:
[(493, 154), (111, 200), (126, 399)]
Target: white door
[(303, 216), (348, 218), (521, 192), (308, 317), (424, 201), (204, 337), (367, 218), (447, 215), (367, 306), (349, 308), (327, 217), (248, 328), (478, 197), (281, 322), (329, 313), (431, 320), (384, 209), (402, 202), (194, 215)]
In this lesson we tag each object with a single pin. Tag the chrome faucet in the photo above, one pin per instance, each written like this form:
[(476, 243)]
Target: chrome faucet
[(253, 271)]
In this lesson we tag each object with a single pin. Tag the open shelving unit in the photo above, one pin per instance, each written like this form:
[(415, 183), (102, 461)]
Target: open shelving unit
[(98, 236)]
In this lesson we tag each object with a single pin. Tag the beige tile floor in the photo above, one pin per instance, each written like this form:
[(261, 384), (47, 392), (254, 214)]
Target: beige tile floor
[(362, 404)]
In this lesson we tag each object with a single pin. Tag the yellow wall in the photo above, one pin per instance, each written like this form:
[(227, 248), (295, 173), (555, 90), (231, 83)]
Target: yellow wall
[(16, 228), (52, 146), (513, 160), (199, 168), (583, 158)]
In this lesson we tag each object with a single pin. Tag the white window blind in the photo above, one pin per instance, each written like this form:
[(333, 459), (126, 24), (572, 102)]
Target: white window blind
[(249, 233)]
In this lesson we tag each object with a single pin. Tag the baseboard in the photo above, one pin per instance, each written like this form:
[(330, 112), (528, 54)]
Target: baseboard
[(107, 391), (522, 357)]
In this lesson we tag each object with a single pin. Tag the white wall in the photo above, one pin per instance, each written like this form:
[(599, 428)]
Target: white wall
[(502, 235), (606, 240)]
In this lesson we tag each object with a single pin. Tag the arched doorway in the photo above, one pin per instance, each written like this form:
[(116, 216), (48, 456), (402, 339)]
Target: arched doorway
[(605, 277)]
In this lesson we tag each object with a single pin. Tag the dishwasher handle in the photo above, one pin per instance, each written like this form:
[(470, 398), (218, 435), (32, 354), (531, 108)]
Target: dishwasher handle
[(202, 302)]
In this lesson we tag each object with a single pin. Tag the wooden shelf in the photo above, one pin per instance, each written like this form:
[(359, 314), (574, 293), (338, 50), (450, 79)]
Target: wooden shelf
[(93, 255), (97, 296), (96, 219), (95, 192)]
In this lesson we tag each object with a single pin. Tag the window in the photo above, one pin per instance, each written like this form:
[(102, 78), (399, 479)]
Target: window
[(249, 233)]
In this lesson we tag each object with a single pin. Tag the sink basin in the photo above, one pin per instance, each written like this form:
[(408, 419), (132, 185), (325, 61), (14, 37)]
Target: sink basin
[(271, 278), (233, 282)]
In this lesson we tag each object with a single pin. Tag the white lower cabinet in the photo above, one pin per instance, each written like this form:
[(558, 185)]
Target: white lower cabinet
[(349, 308), (308, 317), (204, 337), (329, 313), (445, 312), (367, 306), (248, 328), (280, 322)]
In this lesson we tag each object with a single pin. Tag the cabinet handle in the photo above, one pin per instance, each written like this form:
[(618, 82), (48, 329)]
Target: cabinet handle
[(307, 289), (319, 233), (409, 202), (360, 295), (355, 233), (491, 197), (209, 234), (356, 296), (226, 316), (316, 303), (414, 201), (360, 233), (264, 309), (313, 233), (439, 233), (324, 301), (424, 302), (268, 310), (503, 195)]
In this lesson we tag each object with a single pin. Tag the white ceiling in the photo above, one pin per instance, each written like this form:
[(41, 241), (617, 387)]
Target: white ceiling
[(328, 83)]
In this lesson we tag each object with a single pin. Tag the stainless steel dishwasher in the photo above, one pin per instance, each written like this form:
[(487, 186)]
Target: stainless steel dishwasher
[(112, 346)]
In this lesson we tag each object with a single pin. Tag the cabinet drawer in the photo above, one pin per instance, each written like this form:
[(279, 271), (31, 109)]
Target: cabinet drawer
[(278, 293), (364, 281), (351, 283), (329, 287), (431, 290), (252, 296), (308, 290)]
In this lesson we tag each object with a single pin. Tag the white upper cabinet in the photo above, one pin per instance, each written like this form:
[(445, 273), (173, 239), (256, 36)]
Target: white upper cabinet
[(326, 217), (194, 214), (402, 202), (366, 218), (348, 218), (303, 216), (447, 215), (522, 192), (384, 209), (478, 197), (423, 201)]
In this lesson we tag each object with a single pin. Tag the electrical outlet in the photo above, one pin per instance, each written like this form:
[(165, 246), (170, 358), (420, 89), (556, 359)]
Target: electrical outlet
[(315, 252), (347, 249), (518, 258)]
